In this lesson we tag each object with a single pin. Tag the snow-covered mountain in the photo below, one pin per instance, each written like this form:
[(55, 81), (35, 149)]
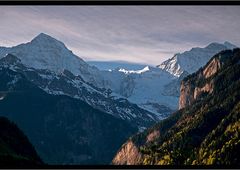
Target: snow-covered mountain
[(45, 52), (141, 96), (191, 61)]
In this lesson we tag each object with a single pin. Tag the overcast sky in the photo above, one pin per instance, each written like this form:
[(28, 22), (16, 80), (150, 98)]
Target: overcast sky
[(141, 34)]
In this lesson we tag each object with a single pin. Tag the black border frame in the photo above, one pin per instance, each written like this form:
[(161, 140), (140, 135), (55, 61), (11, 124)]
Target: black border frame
[(118, 2), (121, 167), (122, 3)]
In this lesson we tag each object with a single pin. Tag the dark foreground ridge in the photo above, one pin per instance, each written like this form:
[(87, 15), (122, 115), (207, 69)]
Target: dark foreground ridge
[(15, 148), (63, 130)]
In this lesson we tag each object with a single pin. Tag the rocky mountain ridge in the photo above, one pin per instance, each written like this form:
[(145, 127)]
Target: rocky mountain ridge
[(190, 61)]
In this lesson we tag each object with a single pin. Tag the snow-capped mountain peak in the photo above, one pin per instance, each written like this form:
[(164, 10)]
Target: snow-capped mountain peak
[(190, 61), (46, 52), (172, 66), (45, 40)]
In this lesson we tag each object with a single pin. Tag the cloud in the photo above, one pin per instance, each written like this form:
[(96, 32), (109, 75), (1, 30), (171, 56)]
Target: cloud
[(141, 34)]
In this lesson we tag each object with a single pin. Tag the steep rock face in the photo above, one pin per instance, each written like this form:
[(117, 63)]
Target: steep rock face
[(207, 88), (130, 152), (199, 83), (212, 68), (186, 94), (128, 155)]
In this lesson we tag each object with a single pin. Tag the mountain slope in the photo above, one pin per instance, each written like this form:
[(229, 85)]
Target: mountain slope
[(205, 131), (15, 149), (63, 130)]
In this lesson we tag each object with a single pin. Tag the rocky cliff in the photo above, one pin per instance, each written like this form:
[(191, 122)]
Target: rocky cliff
[(199, 83), (129, 154)]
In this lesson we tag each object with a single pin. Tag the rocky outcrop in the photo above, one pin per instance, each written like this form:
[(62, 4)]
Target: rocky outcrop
[(189, 93), (186, 96), (152, 136), (212, 68), (207, 88), (128, 154)]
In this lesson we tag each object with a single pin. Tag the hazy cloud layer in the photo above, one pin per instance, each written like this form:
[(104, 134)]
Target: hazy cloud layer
[(140, 34)]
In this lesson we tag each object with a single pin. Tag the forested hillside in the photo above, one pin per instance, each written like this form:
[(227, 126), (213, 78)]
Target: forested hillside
[(206, 130)]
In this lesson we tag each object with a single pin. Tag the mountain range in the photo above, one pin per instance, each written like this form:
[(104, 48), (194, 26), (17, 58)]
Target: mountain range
[(46, 53), (60, 98)]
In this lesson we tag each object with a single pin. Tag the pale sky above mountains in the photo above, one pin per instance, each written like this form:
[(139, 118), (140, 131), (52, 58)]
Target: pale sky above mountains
[(141, 34)]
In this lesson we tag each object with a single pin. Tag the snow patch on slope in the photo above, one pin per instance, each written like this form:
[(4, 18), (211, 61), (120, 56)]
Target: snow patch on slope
[(145, 69)]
